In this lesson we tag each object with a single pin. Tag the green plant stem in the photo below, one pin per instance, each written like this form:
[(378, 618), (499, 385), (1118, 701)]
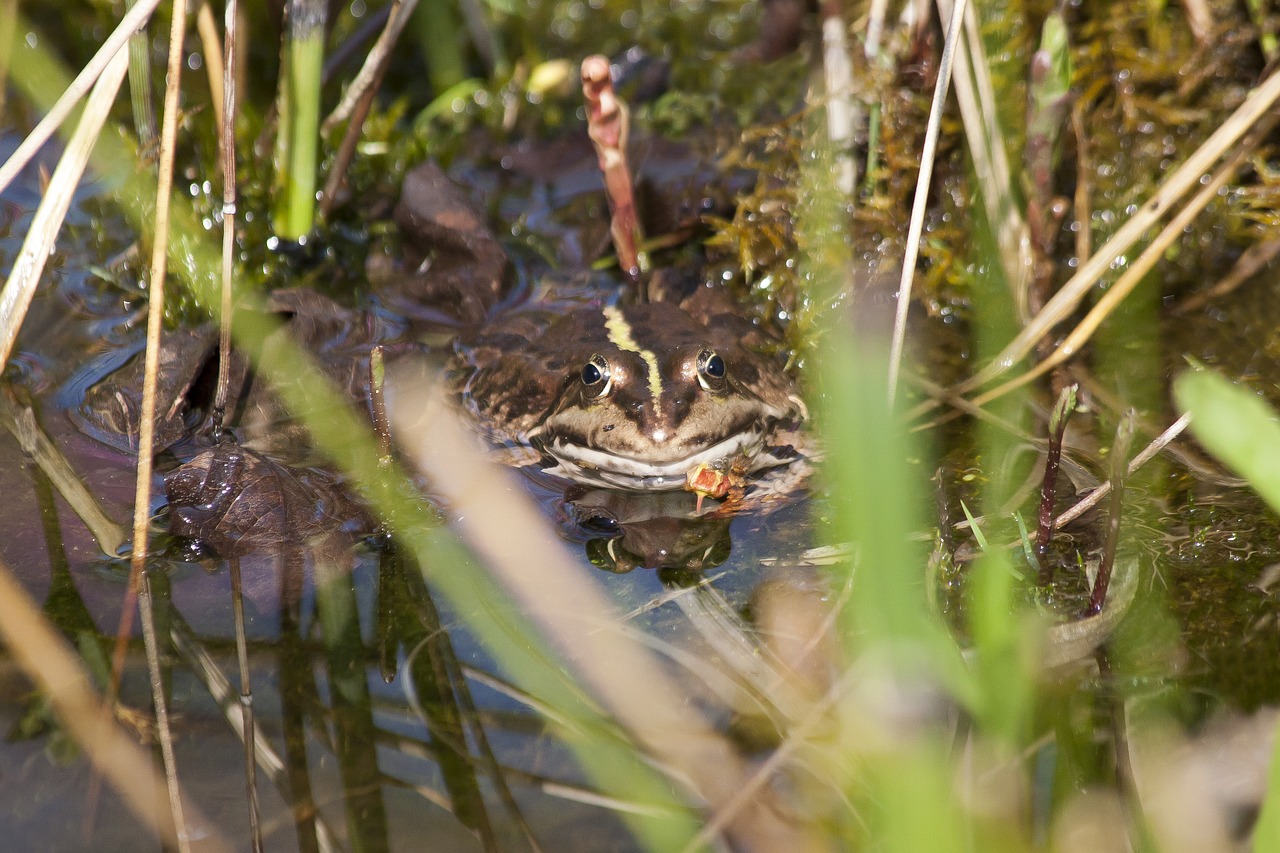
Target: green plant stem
[(297, 142)]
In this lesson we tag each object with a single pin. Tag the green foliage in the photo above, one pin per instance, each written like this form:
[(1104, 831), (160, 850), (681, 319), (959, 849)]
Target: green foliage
[(1236, 426)]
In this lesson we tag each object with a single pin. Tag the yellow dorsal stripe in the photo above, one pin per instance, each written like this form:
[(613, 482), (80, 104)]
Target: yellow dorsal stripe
[(620, 336)]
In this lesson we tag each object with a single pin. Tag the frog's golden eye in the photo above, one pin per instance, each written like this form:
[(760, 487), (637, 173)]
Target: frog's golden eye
[(595, 376), (711, 370)]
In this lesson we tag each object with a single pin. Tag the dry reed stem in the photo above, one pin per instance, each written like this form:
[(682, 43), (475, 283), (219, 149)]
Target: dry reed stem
[(975, 95), (927, 153), (1132, 276), (569, 607), (207, 27), (247, 728), (19, 289), (1254, 260), (1188, 175), (1200, 20), (875, 30), (842, 112), (375, 64), (227, 149), (22, 423), (152, 648), (53, 666), (146, 425), (129, 24)]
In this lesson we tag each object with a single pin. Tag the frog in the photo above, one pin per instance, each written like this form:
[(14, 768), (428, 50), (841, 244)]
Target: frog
[(632, 396)]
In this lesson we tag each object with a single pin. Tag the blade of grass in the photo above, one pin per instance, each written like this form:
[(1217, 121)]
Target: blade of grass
[(8, 17), (1236, 426), (1266, 833), (297, 140)]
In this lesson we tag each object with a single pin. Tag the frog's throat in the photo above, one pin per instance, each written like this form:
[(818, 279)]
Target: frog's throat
[(595, 467), (620, 336)]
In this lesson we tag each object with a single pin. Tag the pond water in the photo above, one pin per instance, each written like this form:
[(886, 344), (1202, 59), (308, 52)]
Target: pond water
[(381, 716)]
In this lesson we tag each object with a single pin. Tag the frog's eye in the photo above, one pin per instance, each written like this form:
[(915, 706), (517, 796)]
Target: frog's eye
[(711, 370), (595, 375)]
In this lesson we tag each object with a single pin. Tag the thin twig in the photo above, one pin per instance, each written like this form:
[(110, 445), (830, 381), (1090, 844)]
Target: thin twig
[(1095, 497), (375, 64), (363, 90), (927, 154), (20, 287), (129, 24)]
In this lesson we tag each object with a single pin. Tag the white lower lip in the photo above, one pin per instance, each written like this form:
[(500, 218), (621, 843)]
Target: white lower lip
[(586, 465)]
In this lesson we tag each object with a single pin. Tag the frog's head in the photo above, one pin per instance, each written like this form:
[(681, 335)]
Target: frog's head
[(657, 399)]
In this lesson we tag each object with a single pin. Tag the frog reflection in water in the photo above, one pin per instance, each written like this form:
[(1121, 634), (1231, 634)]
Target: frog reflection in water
[(632, 397)]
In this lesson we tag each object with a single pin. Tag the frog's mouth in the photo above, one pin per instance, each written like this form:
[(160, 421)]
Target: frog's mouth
[(595, 467)]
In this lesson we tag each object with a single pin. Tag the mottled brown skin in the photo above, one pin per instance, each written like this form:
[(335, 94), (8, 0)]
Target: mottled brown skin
[(524, 384)]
